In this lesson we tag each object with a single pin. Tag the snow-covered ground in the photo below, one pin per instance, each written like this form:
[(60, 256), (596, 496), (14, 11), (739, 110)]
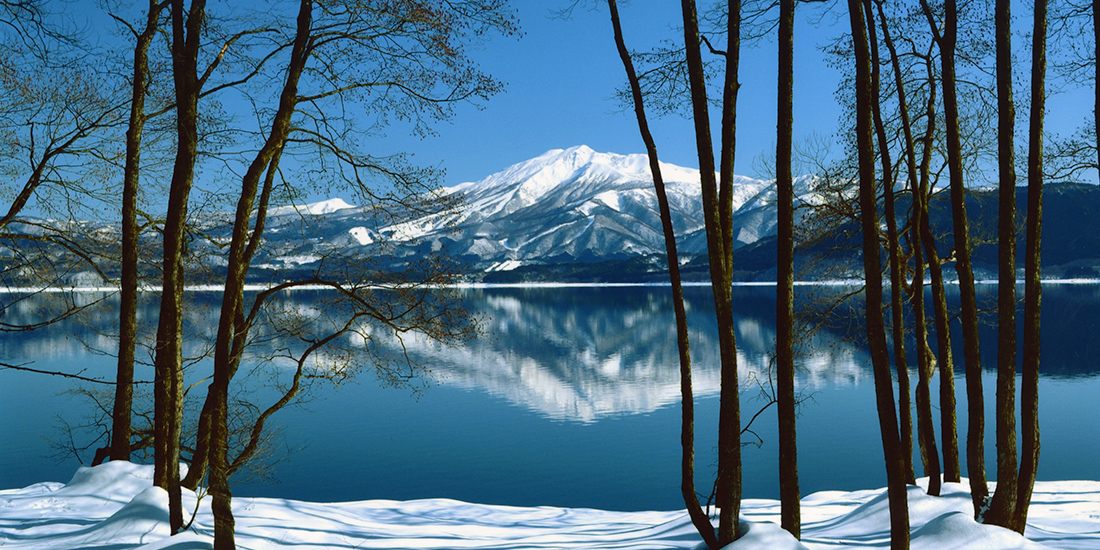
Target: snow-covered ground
[(114, 506)]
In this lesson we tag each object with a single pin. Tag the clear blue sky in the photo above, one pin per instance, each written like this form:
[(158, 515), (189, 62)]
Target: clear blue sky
[(562, 77)]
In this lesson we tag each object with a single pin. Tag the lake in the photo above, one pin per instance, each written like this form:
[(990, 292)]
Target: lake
[(571, 399)]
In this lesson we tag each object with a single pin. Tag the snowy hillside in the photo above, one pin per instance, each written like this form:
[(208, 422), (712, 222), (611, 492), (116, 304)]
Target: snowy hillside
[(577, 215), (566, 206), (574, 205)]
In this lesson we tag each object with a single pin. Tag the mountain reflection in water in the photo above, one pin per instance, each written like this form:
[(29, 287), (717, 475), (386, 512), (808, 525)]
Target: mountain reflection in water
[(585, 353), (569, 399)]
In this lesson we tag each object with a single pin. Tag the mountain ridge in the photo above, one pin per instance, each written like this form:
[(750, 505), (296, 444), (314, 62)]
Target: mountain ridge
[(575, 214)]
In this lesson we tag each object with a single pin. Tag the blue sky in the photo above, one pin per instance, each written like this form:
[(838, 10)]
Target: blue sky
[(562, 74), (562, 77)]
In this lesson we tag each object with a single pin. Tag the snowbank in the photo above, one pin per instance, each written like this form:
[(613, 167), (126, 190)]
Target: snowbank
[(115, 506)]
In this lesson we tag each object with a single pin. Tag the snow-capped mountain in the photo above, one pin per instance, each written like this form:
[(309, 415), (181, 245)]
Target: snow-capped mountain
[(572, 215), (565, 206)]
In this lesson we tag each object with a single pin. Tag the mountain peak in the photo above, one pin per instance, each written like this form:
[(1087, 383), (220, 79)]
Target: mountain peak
[(543, 173), (312, 209)]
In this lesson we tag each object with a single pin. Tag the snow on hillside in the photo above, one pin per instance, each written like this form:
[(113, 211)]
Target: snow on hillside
[(528, 181), (312, 209), (568, 205), (115, 506)]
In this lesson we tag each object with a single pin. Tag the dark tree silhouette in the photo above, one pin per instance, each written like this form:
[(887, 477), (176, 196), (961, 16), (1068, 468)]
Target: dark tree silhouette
[(687, 428), (1033, 287), (791, 511), (1002, 507), (876, 334), (975, 434)]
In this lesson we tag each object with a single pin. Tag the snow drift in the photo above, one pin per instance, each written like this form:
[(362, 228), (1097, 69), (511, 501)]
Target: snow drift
[(115, 506)]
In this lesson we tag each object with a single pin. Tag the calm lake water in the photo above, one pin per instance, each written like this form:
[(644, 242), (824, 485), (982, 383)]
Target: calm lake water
[(572, 399)]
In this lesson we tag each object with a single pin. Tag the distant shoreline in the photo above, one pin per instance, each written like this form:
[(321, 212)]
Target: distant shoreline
[(259, 287)]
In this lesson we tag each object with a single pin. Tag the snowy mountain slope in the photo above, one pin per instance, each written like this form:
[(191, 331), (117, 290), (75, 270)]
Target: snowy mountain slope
[(565, 206)]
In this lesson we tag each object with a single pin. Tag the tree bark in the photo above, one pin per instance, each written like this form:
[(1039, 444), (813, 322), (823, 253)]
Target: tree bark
[(917, 184), (1002, 507), (789, 493), (728, 484), (1033, 288), (186, 28), (944, 356), (244, 234), (872, 269), (127, 324), (687, 425), (896, 313), (975, 401)]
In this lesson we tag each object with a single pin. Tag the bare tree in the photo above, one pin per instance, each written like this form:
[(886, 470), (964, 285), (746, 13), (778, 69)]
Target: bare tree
[(124, 381), (791, 511), (416, 54), (1002, 507), (894, 251), (876, 336), (717, 208), (975, 440), (687, 428), (1033, 287)]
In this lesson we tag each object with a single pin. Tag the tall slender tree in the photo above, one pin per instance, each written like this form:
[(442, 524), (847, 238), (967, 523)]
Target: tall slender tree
[(789, 494), (897, 316), (872, 269), (1033, 287), (687, 427), (717, 209), (128, 288), (263, 168), (187, 24), (975, 433), (925, 360), (428, 40), (1002, 507)]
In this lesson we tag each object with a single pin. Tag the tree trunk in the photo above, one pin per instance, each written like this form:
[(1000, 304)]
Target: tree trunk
[(128, 291), (925, 361), (872, 269), (944, 356), (1002, 507), (200, 460), (897, 315), (975, 402), (687, 426), (244, 234), (728, 484), (789, 493), (925, 424), (1033, 288), (169, 350)]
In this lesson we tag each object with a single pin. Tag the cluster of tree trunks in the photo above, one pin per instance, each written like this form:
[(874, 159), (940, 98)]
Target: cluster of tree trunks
[(906, 264), (423, 44)]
